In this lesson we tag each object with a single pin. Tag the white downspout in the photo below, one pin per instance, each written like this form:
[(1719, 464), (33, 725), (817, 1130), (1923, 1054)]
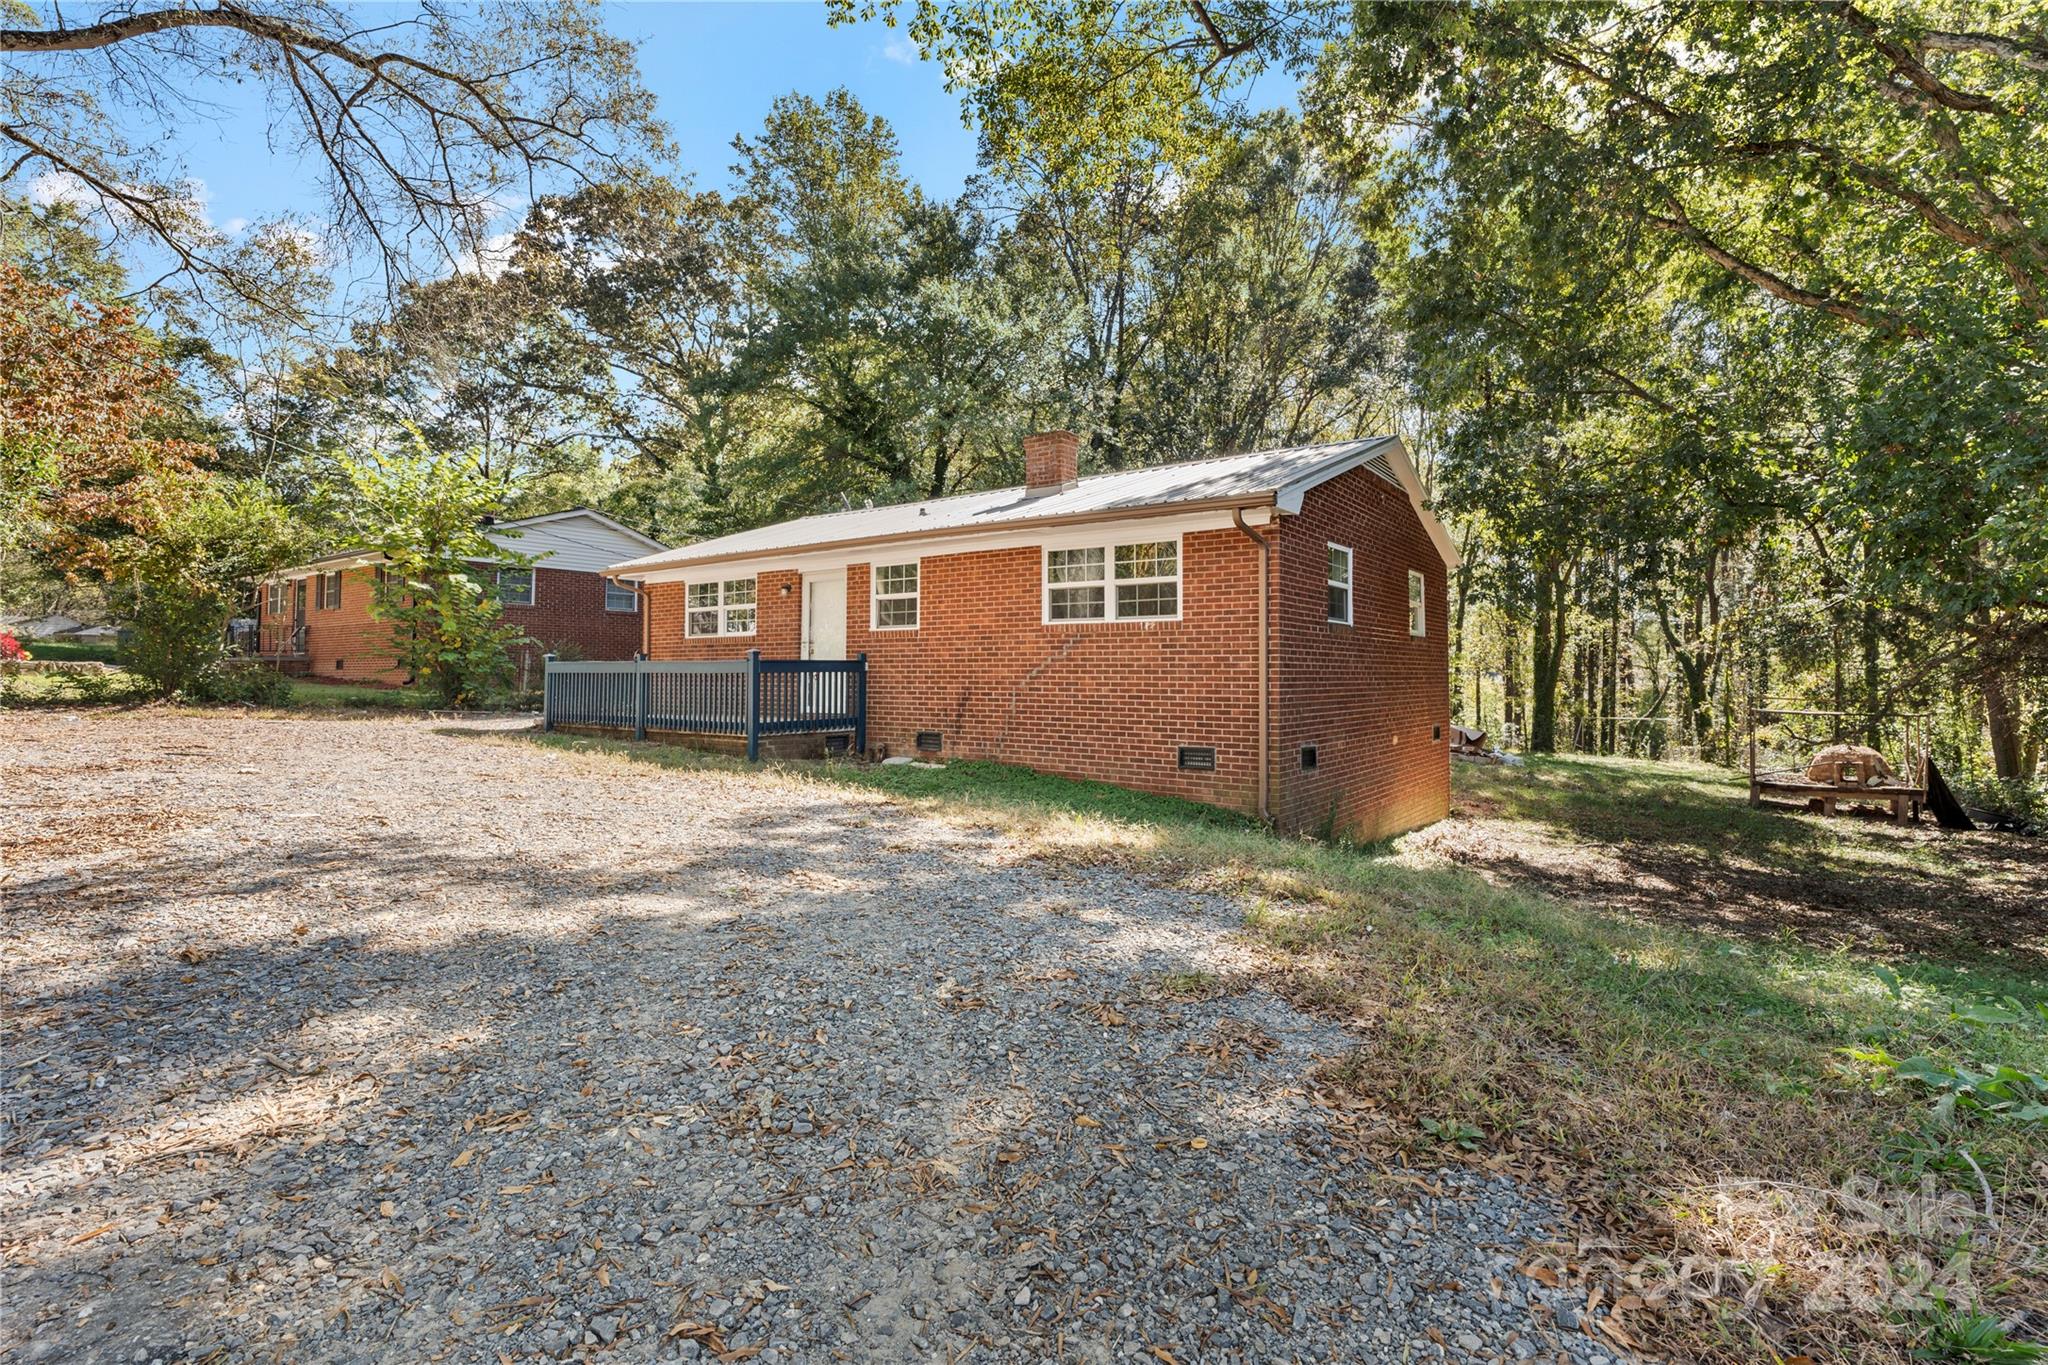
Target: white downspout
[(1265, 653)]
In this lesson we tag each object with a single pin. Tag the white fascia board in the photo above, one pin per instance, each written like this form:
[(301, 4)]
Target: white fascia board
[(321, 566), (1056, 537)]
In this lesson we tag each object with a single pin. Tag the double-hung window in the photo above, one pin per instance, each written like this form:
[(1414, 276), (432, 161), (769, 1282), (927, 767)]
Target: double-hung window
[(895, 596), (1418, 622), (515, 587), (273, 598), (330, 591), (620, 596), (1338, 584), (1134, 581), (721, 608)]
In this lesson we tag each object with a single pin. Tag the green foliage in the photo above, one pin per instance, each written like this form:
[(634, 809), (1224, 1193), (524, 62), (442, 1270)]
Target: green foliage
[(427, 514), (1453, 1133), (236, 684), (182, 581), (1963, 1336)]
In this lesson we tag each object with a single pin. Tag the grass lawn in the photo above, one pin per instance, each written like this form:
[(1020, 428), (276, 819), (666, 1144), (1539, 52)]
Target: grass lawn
[(1700, 1024), (73, 650), (324, 694), (70, 689)]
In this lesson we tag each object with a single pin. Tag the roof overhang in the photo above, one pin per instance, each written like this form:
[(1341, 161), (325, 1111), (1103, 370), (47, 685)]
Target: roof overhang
[(1177, 517), (1289, 498), (329, 563)]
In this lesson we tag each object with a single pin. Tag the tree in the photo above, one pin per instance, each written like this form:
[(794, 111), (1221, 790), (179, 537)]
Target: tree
[(427, 515), (883, 333), (88, 479), (1853, 194), (422, 125)]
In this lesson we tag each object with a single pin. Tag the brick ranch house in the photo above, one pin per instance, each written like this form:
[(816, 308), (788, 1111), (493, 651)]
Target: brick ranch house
[(314, 618), (1259, 631)]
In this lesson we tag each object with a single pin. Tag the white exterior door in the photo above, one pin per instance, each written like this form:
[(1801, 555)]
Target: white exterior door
[(825, 615), (825, 638)]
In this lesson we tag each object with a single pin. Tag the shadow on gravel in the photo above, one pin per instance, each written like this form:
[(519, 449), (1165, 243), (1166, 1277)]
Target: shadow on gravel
[(296, 1095)]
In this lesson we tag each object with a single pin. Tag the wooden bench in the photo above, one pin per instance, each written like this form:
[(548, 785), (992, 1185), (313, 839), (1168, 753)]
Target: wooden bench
[(1823, 797)]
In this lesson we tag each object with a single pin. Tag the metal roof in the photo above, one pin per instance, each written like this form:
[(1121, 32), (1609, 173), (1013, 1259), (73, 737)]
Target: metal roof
[(1249, 477)]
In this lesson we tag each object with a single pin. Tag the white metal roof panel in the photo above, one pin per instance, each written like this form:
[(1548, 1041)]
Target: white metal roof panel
[(1250, 475)]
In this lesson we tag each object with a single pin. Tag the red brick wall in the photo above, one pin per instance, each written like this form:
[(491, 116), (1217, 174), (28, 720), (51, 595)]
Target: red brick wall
[(1374, 700), (568, 616), (344, 642), (778, 623), (347, 642), (1110, 701), (1115, 701)]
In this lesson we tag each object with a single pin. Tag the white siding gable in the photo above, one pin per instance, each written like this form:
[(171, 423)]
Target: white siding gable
[(577, 542)]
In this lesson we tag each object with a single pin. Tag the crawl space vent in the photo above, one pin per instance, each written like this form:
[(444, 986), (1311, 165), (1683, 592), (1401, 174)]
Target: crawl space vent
[(930, 741), (1198, 758)]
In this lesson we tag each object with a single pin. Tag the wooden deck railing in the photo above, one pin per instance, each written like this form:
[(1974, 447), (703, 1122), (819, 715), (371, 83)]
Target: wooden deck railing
[(751, 697)]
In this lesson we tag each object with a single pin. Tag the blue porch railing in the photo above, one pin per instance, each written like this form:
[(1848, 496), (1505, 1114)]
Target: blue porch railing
[(751, 697)]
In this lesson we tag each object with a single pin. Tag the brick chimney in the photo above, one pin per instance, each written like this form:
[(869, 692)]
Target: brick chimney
[(1051, 462)]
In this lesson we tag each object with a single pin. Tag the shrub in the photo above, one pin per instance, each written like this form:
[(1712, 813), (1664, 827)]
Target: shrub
[(2014, 802), (240, 684), (10, 648)]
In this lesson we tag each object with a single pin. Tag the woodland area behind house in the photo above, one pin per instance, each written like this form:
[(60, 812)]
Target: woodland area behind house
[(1718, 333)]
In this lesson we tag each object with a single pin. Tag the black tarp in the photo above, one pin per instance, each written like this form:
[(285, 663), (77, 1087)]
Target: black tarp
[(1948, 812)]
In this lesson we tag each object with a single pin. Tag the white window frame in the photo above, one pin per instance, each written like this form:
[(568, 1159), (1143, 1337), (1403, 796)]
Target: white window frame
[(876, 596), (1418, 604), (532, 588), (273, 598), (611, 586), (322, 602), (1109, 580), (723, 608), (1348, 583)]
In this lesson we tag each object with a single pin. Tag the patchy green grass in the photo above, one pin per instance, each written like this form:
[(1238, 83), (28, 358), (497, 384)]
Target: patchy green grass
[(1529, 971), (104, 688), (308, 693)]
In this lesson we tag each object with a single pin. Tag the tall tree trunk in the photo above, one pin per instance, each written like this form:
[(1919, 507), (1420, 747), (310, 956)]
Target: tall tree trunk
[(1610, 689), (2003, 721), (1873, 682), (1462, 582), (1546, 658), (1511, 678)]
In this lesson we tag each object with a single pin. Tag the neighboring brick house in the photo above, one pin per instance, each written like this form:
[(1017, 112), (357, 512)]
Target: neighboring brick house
[(315, 618), (1261, 631)]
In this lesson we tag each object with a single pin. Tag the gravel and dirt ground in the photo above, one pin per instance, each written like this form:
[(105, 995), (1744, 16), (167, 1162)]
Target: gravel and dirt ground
[(356, 1039)]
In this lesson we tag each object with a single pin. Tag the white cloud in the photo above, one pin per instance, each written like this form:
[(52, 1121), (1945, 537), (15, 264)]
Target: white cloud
[(489, 262), (900, 50), (61, 187)]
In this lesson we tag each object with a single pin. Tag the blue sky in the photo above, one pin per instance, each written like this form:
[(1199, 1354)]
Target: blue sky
[(714, 69)]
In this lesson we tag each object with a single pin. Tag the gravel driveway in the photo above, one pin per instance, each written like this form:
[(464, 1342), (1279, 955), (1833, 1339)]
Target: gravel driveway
[(343, 1039)]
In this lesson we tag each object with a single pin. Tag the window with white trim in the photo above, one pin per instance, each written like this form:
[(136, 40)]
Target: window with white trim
[(1418, 623), (895, 596), (515, 587), (330, 591), (620, 596), (1337, 587), (1135, 581), (273, 598), (722, 608)]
